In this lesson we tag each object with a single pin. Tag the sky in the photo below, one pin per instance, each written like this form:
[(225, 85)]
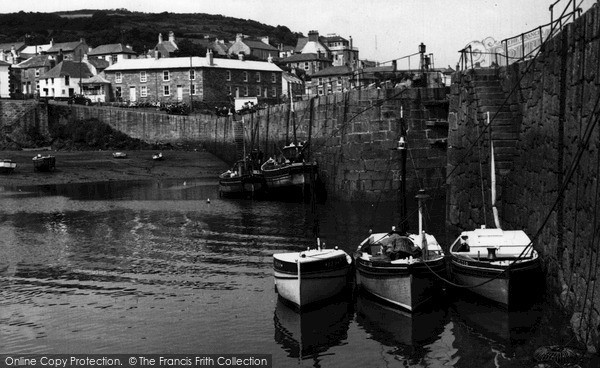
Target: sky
[(381, 29)]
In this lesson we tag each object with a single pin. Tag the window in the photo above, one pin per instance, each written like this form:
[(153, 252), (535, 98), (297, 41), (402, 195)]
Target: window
[(229, 89), (52, 80), (118, 93), (118, 77), (229, 75), (193, 89), (320, 81), (274, 92), (320, 92), (143, 91), (245, 76), (246, 91), (37, 72), (166, 91), (258, 76), (258, 90), (306, 65), (166, 75), (192, 74), (143, 77), (114, 59), (273, 78), (67, 80)]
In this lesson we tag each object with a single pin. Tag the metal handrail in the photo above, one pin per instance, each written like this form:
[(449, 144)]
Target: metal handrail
[(464, 58)]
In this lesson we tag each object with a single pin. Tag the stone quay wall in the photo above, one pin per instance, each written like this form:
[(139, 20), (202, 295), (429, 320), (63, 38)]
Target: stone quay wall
[(352, 136), (550, 186), (22, 123)]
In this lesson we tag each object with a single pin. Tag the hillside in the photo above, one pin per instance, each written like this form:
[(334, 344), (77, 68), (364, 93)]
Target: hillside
[(140, 30)]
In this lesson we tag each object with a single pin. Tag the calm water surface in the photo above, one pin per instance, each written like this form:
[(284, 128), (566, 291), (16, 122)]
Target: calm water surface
[(153, 267)]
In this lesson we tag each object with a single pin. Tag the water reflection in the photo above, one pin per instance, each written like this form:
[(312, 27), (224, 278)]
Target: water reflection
[(309, 334), (407, 333)]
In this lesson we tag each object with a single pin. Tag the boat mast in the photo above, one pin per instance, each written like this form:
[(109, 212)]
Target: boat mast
[(421, 197), (403, 226), (493, 176)]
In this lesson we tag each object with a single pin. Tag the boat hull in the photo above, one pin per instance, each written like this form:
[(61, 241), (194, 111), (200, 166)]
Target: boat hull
[(293, 178), (509, 288), (316, 281), (406, 285), (7, 166), (45, 163), (250, 185)]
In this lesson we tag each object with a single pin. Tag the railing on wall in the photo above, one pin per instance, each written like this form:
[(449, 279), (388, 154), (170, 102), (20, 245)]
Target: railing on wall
[(523, 46)]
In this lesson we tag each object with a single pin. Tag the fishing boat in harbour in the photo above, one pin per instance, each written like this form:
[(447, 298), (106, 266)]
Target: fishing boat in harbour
[(497, 264), (244, 179), (311, 276), (7, 166), (290, 175), (44, 163), (398, 267)]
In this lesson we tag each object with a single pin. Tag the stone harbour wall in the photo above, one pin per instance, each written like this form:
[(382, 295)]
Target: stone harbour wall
[(352, 136), (549, 186)]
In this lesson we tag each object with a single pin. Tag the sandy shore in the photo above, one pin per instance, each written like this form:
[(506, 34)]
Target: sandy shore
[(98, 166)]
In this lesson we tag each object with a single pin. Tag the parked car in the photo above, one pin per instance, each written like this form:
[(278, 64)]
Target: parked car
[(80, 100)]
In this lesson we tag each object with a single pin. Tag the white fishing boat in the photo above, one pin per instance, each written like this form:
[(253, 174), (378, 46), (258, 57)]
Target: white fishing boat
[(157, 156), (311, 276), (500, 265), (119, 155), (7, 166), (398, 267)]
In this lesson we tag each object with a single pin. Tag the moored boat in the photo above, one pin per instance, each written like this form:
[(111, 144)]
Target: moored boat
[(500, 265), (311, 276), (44, 163), (119, 155), (398, 267), (7, 165), (157, 156), (497, 264), (291, 174), (242, 181)]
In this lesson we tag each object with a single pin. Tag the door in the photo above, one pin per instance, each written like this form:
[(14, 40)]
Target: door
[(179, 93), (132, 95)]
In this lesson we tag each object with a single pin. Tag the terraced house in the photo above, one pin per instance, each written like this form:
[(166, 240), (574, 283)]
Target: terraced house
[(197, 79)]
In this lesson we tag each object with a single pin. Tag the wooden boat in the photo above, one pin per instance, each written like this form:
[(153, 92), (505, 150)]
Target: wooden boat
[(500, 265), (242, 180), (44, 163), (119, 155), (311, 276), (157, 156), (290, 174), (398, 267), (7, 165)]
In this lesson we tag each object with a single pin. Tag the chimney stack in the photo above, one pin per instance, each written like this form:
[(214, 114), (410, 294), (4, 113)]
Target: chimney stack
[(238, 37), (241, 56), (265, 40), (156, 54), (209, 57), (313, 36), (171, 37), (160, 39)]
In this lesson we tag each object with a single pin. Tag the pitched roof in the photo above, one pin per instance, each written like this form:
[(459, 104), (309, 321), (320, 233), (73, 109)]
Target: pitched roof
[(35, 49), (4, 63), (195, 61), (99, 63), (8, 46), (35, 62), (334, 70), (64, 46), (166, 46), (291, 78), (300, 43), (96, 79), (259, 45), (335, 38), (73, 69), (113, 48), (303, 57)]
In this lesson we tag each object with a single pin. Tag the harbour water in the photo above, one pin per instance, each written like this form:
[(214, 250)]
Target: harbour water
[(168, 267)]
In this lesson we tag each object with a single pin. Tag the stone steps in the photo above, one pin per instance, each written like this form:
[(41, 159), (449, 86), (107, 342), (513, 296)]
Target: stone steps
[(505, 134)]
